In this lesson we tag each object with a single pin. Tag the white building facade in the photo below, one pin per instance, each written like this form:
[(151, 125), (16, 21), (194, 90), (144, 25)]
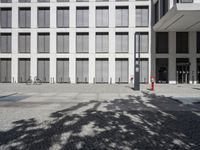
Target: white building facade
[(80, 41), (74, 41)]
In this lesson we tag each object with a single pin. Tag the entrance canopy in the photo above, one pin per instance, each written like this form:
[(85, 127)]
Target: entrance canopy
[(181, 17)]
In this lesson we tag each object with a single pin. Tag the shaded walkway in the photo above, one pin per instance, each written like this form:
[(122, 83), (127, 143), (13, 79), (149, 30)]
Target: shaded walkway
[(138, 122)]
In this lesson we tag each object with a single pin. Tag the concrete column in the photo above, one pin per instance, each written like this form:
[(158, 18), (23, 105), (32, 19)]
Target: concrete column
[(193, 60), (112, 56), (112, 70), (131, 54), (91, 69), (92, 16), (14, 68), (33, 63), (172, 58), (52, 69), (72, 69), (53, 13), (112, 16), (34, 12), (14, 64), (15, 17), (72, 18)]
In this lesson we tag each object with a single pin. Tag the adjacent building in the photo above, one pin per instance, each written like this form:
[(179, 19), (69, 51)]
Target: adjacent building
[(88, 41), (176, 41)]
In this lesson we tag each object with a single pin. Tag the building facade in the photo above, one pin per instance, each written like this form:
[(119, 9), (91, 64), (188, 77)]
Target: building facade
[(94, 41), (61, 41), (176, 41)]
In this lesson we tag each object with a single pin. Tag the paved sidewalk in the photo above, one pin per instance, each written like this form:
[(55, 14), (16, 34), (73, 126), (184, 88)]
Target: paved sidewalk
[(100, 117)]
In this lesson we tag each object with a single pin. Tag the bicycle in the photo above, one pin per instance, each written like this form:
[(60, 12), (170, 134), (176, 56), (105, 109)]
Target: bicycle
[(29, 81), (36, 81)]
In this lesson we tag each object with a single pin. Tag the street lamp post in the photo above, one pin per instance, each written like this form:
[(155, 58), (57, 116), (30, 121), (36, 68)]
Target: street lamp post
[(137, 63)]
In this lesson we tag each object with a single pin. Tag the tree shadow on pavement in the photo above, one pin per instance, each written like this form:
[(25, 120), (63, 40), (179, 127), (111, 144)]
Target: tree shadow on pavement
[(146, 121)]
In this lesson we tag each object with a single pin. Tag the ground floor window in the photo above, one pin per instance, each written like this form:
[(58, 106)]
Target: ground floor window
[(82, 70), (5, 70), (162, 70), (101, 70), (121, 70), (23, 70), (43, 69), (62, 70)]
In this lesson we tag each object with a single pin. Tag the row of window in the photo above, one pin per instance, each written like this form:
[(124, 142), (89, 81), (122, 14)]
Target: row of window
[(82, 70), (182, 42), (82, 42), (28, 1), (82, 17)]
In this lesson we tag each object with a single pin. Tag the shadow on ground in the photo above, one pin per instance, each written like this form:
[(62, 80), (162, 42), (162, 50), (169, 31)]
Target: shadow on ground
[(138, 122)]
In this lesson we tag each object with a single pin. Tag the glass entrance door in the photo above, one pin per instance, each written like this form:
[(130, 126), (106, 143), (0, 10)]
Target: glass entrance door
[(183, 73), (198, 72)]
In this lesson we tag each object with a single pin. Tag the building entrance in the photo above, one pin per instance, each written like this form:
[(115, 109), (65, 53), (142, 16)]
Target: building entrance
[(198, 70), (161, 70), (182, 71)]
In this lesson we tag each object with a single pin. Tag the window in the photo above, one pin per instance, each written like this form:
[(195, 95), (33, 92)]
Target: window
[(142, 16), (63, 17), (62, 70), (62, 42), (6, 1), (156, 12), (144, 69), (102, 42), (6, 17), (162, 42), (5, 42), (102, 0), (43, 17), (24, 43), (198, 42), (5, 70), (82, 42), (101, 70), (43, 0), (43, 69), (82, 70), (43, 43), (122, 16), (122, 42), (62, 0), (24, 17), (24, 1), (121, 0), (102, 17), (183, 1), (23, 70), (182, 42), (163, 7), (82, 17), (142, 42), (82, 0), (121, 70)]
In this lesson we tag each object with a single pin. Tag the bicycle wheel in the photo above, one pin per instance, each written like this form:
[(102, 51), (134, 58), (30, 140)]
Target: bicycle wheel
[(29, 82), (38, 82)]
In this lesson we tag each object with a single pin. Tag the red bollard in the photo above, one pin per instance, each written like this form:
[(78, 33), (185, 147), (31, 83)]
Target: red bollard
[(152, 83), (152, 86)]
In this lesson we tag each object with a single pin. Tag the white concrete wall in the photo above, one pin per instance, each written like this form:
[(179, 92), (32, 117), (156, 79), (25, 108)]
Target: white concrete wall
[(72, 32)]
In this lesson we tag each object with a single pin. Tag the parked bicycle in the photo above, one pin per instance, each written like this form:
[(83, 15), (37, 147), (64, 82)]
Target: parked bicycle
[(36, 81)]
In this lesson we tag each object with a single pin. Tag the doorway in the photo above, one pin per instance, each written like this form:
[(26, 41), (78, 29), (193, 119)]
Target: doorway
[(162, 70), (198, 70), (182, 71)]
